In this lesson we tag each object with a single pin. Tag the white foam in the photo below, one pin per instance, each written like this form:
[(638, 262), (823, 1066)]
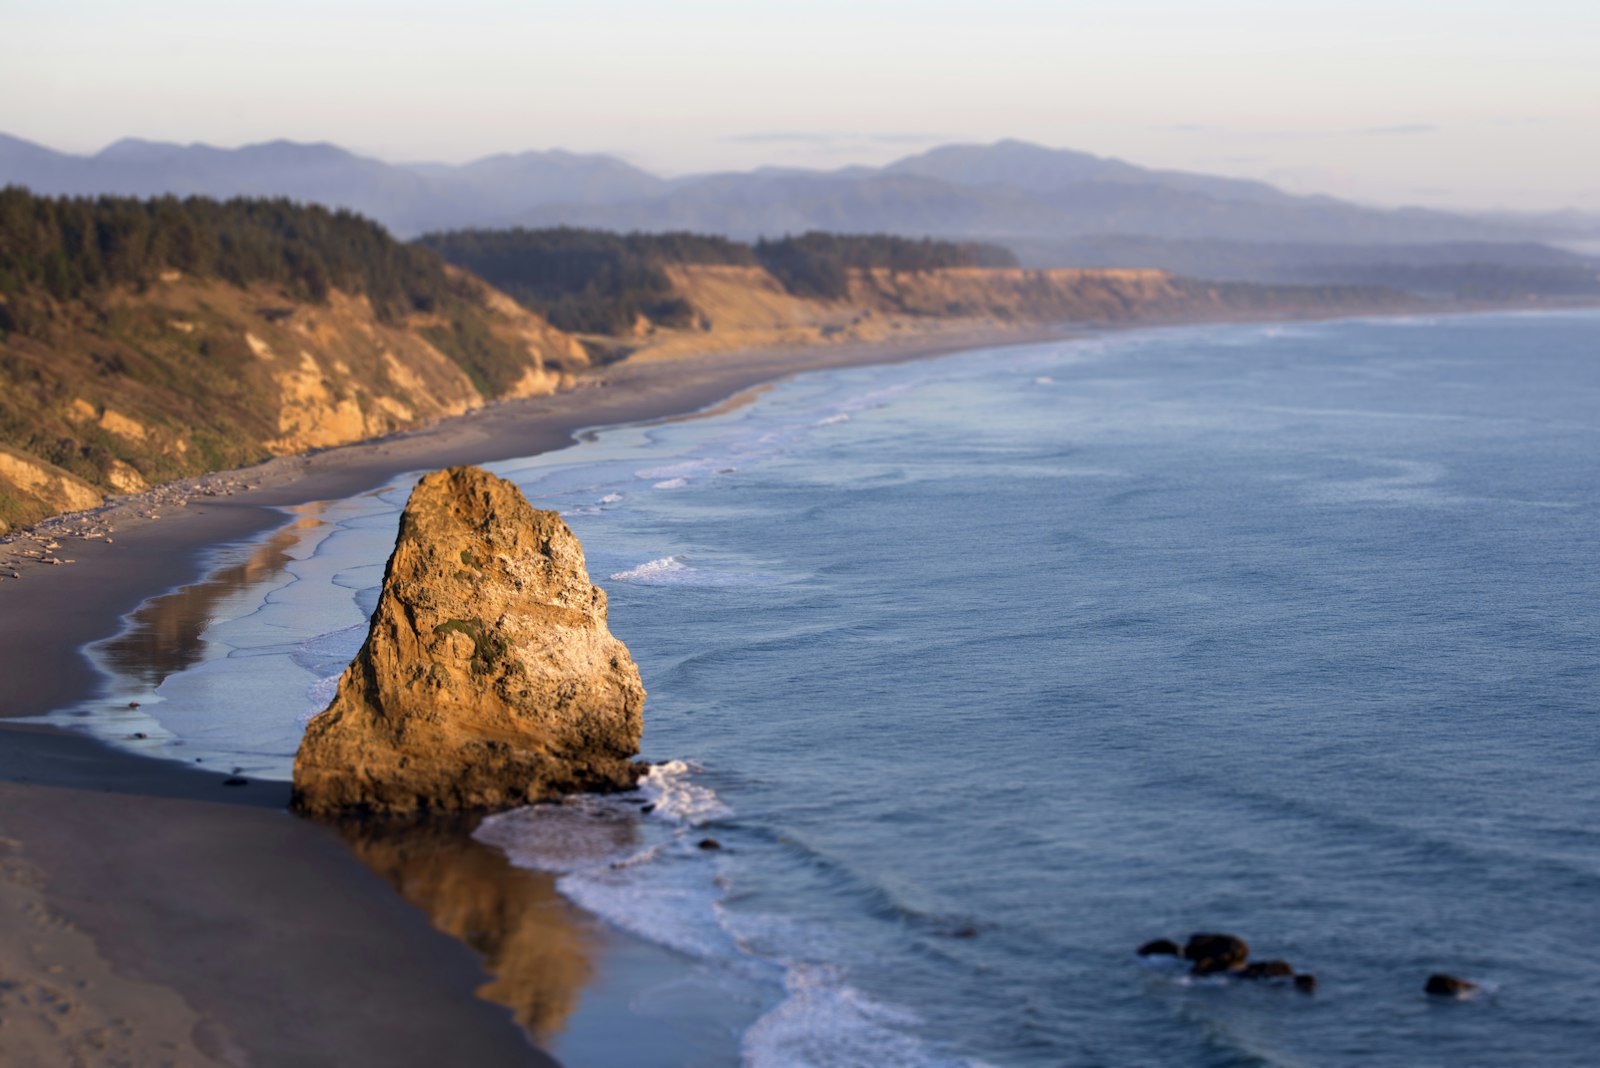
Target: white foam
[(666, 897), (647, 876), (676, 797), (671, 483), (319, 695), (665, 570), (677, 571), (832, 419), (611, 498), (826, 1023), (1044, 380)]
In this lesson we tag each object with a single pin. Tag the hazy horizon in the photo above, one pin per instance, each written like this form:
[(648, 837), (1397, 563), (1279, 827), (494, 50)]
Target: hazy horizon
[(1467, 106)]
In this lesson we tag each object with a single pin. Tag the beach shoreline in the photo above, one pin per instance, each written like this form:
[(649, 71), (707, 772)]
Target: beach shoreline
[(207, 916)]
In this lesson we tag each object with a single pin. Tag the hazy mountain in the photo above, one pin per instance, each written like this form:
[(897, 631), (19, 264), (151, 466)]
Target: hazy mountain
[(408, 199), (510, 183), (1014, 190), (1010, 191)]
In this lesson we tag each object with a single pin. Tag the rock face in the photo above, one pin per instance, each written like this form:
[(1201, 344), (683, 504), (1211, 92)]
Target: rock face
[(488, 679)]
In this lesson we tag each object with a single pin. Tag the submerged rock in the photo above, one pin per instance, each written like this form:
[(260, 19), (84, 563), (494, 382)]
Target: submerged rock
[(1267, 969), (488, 679), (1449, 986), (1214, 953)]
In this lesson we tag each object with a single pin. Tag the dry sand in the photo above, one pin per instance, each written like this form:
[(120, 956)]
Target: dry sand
[(151, 915)]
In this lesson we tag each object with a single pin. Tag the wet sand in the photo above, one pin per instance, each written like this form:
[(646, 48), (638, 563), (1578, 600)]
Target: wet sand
[(150, 914)]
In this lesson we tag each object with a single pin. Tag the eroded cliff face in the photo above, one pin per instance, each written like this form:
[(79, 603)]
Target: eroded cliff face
[(192, 374), (488, 679)]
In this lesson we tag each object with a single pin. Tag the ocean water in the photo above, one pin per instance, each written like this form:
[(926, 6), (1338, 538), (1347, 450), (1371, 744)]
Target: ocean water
[(984, 670)]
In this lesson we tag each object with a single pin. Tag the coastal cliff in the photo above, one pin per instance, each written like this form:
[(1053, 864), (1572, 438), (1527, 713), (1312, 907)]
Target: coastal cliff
[(142, 342), (145, 341), (488, 679)]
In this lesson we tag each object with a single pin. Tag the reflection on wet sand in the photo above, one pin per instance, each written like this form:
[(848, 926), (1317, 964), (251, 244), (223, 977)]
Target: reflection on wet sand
[(533, 942), (163, 636)]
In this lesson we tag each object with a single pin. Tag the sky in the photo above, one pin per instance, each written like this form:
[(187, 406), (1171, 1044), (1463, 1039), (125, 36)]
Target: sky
[(1451, 103)]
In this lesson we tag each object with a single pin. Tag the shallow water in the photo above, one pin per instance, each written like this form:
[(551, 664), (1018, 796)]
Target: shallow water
[(987, 669)]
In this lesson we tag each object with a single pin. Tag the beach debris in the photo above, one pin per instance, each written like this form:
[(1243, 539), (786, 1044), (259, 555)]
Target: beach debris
[(488, 679), (1441, 985)]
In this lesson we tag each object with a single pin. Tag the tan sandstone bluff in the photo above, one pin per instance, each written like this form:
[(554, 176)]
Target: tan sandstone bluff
[(488, 679)]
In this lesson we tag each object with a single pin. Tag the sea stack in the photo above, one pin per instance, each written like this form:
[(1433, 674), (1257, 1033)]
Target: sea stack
[(488, 679)]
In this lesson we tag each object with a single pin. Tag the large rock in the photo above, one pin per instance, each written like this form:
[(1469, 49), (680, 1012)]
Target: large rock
[(488, 678), (1215, 953)]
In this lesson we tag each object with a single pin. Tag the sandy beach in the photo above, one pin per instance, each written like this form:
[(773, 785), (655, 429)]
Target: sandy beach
[(150, 914)]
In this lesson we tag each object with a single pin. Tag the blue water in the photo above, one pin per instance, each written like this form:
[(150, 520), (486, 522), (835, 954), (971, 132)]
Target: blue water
[(987, 669)]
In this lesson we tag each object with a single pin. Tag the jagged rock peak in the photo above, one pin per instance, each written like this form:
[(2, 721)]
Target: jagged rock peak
[(488, 679)]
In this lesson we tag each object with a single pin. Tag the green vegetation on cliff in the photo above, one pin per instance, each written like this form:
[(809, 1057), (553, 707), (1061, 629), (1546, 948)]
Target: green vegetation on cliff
[(596, 282), (71, 247), (145, 340), (586, 281), (819, 264)]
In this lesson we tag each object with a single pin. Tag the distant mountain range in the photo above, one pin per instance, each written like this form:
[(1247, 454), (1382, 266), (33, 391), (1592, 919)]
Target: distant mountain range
[(1053, 205)]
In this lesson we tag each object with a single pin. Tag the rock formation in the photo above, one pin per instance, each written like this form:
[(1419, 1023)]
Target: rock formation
[(1161, 947), (488, 678), (1213, 953), (1229, 955), (1441, 985)]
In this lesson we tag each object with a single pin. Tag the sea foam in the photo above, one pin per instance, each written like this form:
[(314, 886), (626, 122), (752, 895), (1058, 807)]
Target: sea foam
[(636, 861)]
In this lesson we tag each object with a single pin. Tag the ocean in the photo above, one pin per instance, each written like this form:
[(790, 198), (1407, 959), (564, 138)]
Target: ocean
[(984, 670)]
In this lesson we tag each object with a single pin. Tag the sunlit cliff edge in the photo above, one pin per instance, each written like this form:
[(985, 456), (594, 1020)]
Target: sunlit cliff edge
[(129, 357)]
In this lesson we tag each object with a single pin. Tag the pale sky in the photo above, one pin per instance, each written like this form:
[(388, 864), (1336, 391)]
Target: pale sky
[(1455, 103)]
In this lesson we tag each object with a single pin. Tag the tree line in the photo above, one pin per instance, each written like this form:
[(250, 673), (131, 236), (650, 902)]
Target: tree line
[(598, 282), (72, 247), (584, 281)]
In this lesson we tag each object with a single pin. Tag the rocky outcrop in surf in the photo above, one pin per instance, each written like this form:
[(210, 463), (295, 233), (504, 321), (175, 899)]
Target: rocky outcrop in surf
[(1227, 955), (488, 679)]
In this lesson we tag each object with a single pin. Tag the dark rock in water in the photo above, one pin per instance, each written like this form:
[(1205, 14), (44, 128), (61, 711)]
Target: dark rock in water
[(1267, 969), (647, 809), (139, 734), (1306, 984), (1448, 986), (710, 843), (235, 781), (964, 932), (1215, 953), (1161, 947)]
